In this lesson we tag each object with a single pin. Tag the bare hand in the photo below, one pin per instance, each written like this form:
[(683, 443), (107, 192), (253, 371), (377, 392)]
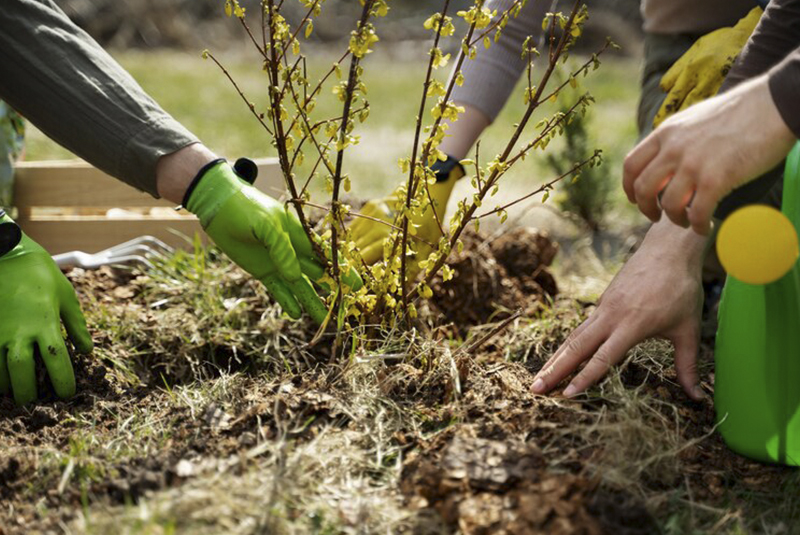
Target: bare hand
[(698, 156), (658, 293)]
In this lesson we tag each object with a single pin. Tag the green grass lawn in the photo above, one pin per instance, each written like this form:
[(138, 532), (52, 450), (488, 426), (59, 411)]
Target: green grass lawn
[(197, 93)]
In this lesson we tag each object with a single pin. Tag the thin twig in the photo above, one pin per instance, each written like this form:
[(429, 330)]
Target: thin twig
[(250, 105), (541, 189), (472, 347), (413, 164), (337, 177)]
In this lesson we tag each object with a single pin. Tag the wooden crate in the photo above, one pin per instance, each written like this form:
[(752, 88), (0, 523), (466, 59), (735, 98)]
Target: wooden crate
[(68, 205)]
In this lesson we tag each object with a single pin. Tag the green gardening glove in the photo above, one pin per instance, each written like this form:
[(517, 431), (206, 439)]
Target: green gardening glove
[(35, 297), (260, 235)]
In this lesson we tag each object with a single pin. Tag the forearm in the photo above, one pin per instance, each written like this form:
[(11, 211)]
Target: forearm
[(174, 172), (64, 83), (463, 133), (677, 245)]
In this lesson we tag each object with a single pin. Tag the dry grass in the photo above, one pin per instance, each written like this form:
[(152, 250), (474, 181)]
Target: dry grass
[(238, 427)]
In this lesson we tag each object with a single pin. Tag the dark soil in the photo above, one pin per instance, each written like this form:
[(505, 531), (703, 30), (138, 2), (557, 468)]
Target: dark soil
[(490, 459), (495, 278)]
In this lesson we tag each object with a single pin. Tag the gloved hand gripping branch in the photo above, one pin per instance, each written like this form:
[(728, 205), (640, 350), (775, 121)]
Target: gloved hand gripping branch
[(35, 297), (370, 235), (259, 234)]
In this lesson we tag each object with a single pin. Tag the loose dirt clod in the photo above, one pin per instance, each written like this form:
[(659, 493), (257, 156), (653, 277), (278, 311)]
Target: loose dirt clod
[(494, 278)]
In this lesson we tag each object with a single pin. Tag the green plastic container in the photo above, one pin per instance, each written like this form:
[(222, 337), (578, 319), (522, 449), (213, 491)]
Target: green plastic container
[(757, 385)]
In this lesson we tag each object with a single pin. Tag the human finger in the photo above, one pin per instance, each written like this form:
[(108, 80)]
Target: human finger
[(577, 350), (702, 209), (607, 355), (311, 268), (686, 348), (574, 334), (675, 198), (372, 209), (5, 380), (375, 234), (670, 77), (675, 99), (59, 367), (278, 290), (74, 321), (635, 162), (308, 298), (22, 371), (280, 249), (650, 182), (372, 253)]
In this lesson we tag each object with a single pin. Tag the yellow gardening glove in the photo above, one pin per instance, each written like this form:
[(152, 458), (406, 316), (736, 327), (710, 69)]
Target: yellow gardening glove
[(699, 73), (370, 235)]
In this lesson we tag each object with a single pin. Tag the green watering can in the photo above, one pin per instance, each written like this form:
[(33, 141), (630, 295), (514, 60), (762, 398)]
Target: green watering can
[(757, 385)]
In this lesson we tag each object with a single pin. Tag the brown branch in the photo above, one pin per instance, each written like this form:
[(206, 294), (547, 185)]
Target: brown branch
[(280, 136), (362, 216), (299, 27), (337, 177), (473, 346), (494, 24), (250, 105), (262, 51), (413, 163)]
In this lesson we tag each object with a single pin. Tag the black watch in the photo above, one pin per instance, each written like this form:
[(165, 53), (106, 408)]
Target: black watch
[(442, 168), (10, 235)]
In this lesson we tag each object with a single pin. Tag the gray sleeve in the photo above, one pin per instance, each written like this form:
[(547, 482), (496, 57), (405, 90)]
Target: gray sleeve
[(61, 80), (490, 78)]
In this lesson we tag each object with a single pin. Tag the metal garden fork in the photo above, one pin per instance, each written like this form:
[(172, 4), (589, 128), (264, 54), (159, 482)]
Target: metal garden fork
[(136, 251)]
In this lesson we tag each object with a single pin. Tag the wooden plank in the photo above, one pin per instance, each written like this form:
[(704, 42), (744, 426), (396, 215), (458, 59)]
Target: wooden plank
[(75, 183), (95, 233)]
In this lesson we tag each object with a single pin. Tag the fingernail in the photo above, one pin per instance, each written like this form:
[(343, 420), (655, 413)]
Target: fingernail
[(570, 391), (698, 393), (538, 386)]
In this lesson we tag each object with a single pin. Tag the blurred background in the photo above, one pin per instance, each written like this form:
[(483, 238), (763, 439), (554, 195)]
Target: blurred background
[(160, 42)]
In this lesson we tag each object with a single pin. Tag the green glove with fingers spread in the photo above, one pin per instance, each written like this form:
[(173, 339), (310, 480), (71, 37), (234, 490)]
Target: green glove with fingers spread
[(260, 234), (34, 295), (370, 235), (699, 73)]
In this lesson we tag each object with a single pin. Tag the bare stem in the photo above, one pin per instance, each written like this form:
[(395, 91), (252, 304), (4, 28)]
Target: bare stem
[(275, 98), (343, 130), (413, 165), (250, 105)]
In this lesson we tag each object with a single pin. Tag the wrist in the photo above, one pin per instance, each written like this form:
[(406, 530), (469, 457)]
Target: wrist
[(679, 245), (448, 170), (464, 132), (176, 171)]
